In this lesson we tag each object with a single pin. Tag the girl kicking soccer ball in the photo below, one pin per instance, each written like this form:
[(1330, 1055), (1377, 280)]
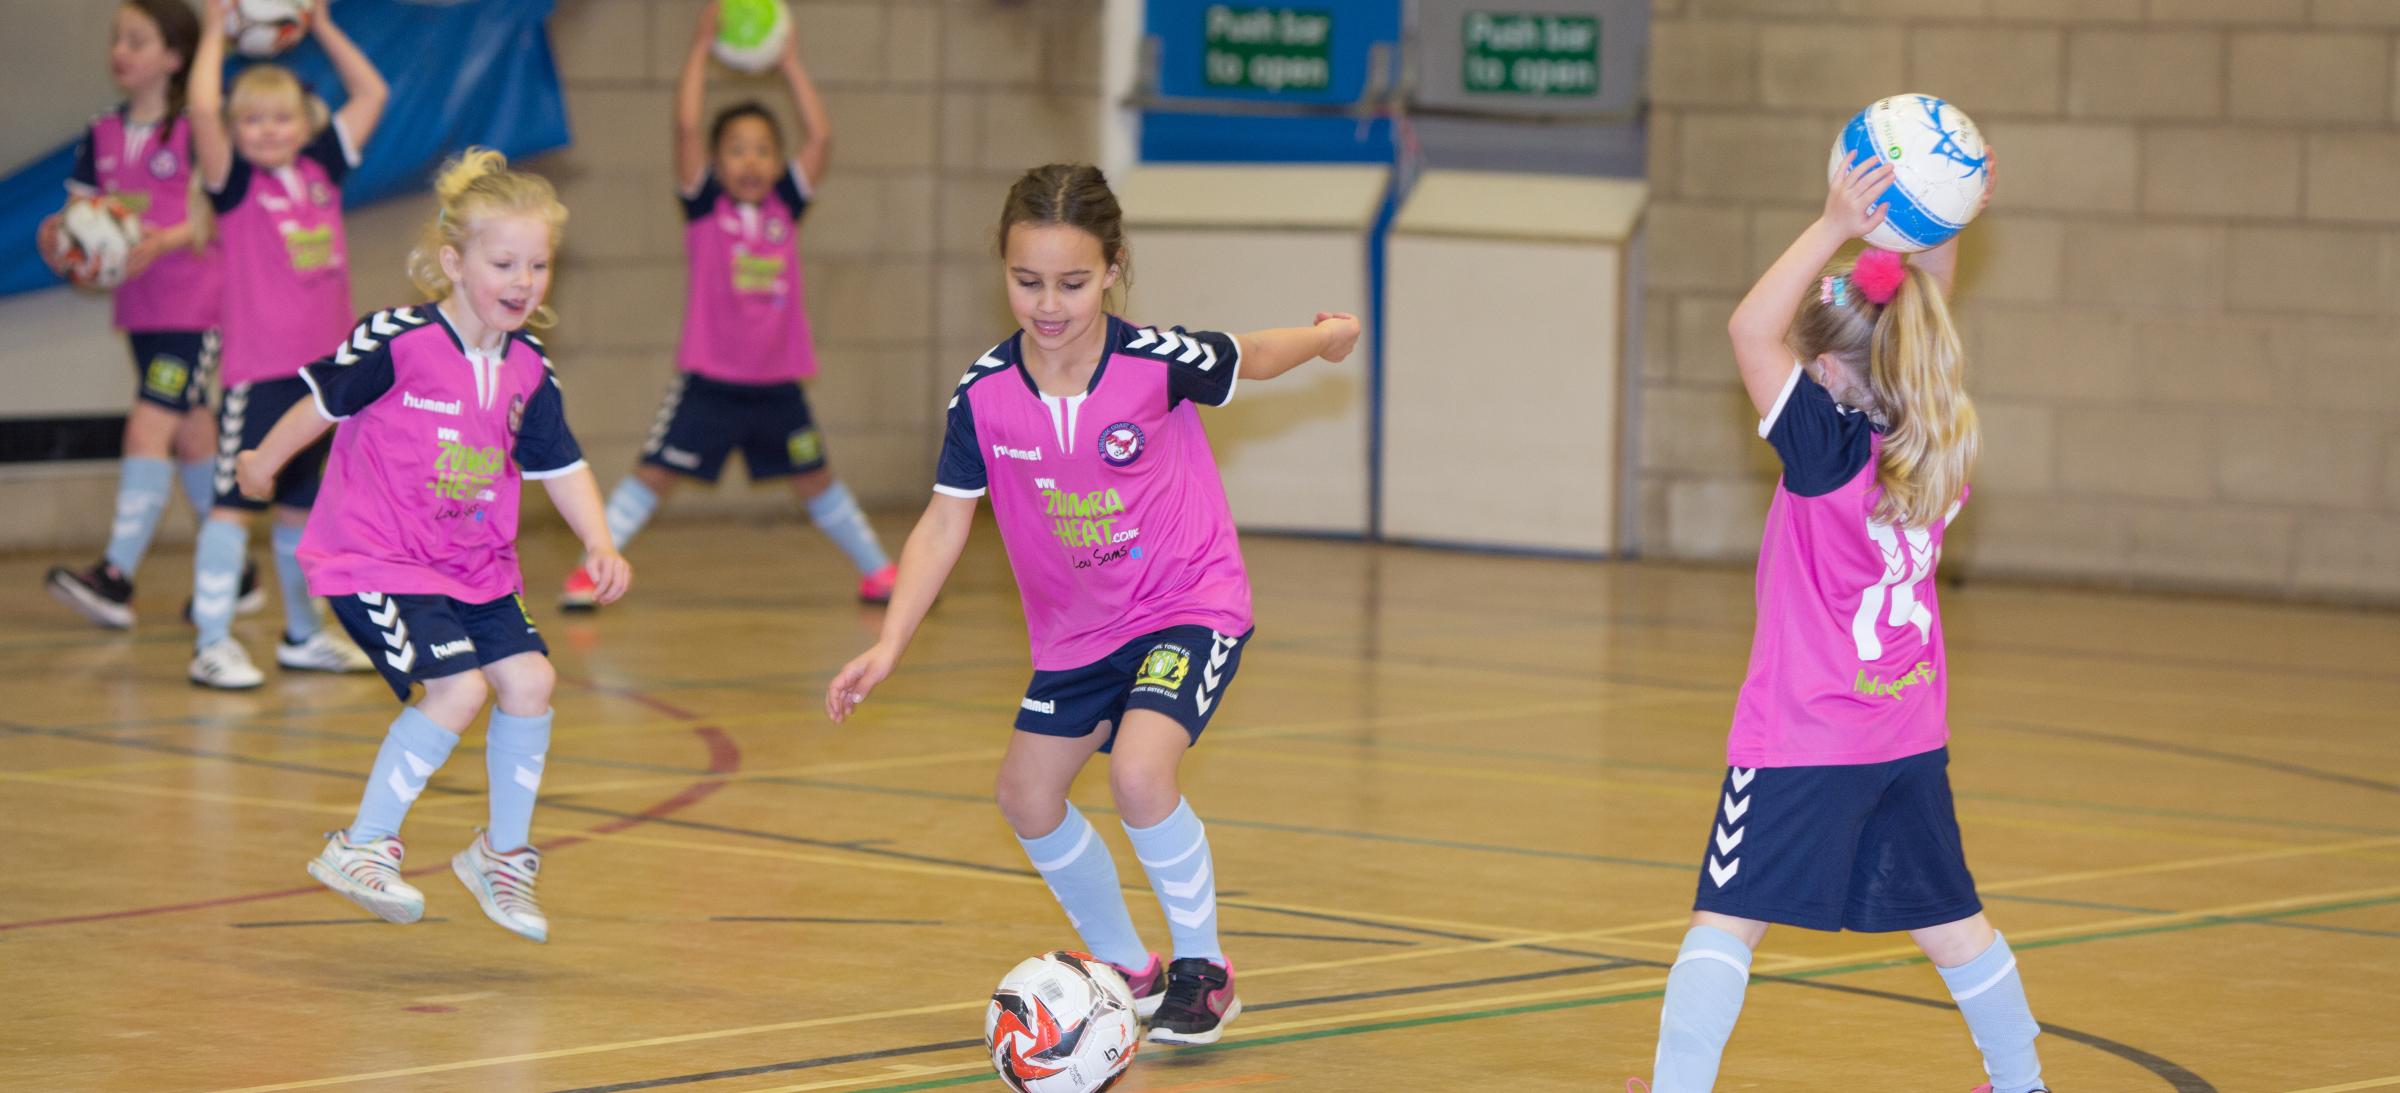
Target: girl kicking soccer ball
[(438, 412), (1083, 429), (1835, 813)]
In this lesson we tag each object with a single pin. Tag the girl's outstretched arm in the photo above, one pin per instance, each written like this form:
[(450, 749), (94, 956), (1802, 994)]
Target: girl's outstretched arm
[(1267, 354), (815, 153), (691, 146), (368, 92), (925, 563), (1764, 317)]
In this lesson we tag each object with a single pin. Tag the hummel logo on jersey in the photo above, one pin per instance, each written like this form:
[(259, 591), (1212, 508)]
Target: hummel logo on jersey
[(1030, 455), (1039, 706), (449, 649), (414, 403)]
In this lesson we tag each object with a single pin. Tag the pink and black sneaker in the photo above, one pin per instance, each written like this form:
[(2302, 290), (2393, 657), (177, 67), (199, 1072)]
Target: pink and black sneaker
[(1149, 985), (1200, 1000)]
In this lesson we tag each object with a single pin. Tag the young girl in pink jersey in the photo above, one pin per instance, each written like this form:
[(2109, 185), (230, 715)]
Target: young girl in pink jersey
[(140, 154), (442, 409), (746, 343), (273, 167), (1083, 429), (1835, 813)]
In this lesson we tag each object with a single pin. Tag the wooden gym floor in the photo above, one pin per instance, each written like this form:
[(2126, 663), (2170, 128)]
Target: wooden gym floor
[(1457, 805)]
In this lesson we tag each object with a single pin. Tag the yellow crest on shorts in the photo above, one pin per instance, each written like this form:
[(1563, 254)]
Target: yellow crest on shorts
[(1165, 667)]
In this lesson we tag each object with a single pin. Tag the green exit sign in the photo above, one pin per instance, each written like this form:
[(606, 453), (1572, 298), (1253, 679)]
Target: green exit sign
[(1539, 55), (1268, 49)]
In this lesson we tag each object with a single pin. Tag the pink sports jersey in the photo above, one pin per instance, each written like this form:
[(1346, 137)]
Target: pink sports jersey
[(745, 316), (421, 488), (1108, 501), (287, 266), (1846, 663), (149, 170)]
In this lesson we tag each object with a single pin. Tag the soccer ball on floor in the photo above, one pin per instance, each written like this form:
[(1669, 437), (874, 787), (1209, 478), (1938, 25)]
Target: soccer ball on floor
[(1939, 168), (264, 28), (95, 236), (751, 33), (1061, 1022)]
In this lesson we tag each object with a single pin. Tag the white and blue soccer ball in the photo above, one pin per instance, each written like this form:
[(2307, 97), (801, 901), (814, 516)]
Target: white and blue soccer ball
[(1939, 168), (264, 28), (1061, 1022)]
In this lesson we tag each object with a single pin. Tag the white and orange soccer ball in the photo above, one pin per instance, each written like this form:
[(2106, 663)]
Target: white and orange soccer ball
[(264, 28), (96, 234), (1061, 1022)]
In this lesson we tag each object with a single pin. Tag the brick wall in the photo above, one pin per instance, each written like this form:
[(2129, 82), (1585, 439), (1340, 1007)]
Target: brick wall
[(937, 105), (2183, 318)]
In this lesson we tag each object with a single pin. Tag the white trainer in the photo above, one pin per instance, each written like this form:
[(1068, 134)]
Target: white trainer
[(368, 874), (503, 884), (225, 665), (322, 652)]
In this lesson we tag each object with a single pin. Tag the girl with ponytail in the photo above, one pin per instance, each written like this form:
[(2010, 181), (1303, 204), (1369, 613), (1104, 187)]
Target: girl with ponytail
[(1835, 812), (440, 413)]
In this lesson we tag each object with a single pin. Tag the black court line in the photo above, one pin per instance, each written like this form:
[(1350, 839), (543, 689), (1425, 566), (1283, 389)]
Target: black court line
[(2175, 1075), (322, 922), (957, 1045), (828, 920), (2190, 752), (1316, 937)]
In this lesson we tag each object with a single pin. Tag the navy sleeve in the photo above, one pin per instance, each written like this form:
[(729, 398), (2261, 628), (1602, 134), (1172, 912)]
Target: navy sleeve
[(86, 173), (700, 202), (1823, 444), (545, 447), (327, 150), (1202, 366), (961, 472), (237, 184), (788, 191), (358, 372)]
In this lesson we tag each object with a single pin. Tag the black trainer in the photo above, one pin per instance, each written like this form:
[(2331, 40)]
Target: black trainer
[(1200, 1001), (100, 593)]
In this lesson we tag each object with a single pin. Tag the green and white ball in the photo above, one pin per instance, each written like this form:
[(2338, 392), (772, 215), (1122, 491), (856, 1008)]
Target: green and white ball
[(751, 33)]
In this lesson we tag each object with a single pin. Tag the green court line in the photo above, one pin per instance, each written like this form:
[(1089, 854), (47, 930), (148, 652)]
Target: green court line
[(1635, 996)]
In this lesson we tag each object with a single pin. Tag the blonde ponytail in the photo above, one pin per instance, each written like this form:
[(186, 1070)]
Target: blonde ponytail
[(474, 186), (1917, 369)]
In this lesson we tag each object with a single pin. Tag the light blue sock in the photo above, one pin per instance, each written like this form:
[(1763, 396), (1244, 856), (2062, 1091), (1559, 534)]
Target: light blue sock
[(1175, 854), (217, 577), (630, 506), (413, 749), (1084, 878), (299, 608), (836, 514), (1704, 998), (513, 752), (142, 487), (200, 485), (1992, 998)]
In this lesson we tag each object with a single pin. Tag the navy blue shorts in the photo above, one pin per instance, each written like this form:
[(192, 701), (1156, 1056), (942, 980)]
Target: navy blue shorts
[(1181, 671), (414, 638), (250, 410), (173, 368), (705, 420), (1872, 847)]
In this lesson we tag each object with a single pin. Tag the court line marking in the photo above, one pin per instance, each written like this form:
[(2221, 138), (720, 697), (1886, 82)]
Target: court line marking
[(2371, 1083), (1832, 964)]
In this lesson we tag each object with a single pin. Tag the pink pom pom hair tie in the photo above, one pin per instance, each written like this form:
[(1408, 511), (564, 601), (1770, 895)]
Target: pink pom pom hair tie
[(1878, 274)]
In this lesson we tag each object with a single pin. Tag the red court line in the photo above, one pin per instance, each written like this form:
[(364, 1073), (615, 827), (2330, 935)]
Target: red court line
[(661, 705), (724, 757), (1220, 1083)]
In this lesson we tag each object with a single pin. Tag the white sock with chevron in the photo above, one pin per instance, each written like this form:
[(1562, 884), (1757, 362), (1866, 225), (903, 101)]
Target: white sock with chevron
[(1175, 854), (1704, 999), (217, 577), (414, 748), (513, 753), (1075, 862)]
